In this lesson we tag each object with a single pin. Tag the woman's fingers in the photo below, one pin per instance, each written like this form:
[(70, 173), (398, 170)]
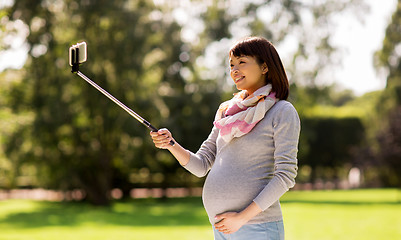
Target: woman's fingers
[(162, 138)]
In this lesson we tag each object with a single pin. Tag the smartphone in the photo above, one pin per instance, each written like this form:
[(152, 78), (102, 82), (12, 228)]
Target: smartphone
[(78, 53)]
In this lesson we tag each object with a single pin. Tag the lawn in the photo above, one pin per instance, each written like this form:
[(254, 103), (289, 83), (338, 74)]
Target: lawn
[(356, 214)]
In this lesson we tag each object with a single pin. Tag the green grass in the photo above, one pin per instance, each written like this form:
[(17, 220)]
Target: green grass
[(136, 219), (356, 214)]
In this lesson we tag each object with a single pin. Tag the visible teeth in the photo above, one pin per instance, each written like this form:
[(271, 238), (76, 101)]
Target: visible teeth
[(238, 78)]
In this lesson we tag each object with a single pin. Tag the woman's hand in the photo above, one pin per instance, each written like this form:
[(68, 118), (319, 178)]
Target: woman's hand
[(162, 138), (229, 222)]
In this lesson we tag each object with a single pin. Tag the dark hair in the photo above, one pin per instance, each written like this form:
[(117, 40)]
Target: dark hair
[(265, 52)]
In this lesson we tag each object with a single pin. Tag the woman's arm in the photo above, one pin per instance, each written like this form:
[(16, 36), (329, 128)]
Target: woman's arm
[(198, 163), (286, 125), (162, 139)]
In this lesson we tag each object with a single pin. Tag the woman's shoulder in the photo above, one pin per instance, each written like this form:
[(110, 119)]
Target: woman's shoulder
[(283, 111), (284, 105)]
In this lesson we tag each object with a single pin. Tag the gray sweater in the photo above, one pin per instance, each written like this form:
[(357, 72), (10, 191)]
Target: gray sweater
[(259, 166)]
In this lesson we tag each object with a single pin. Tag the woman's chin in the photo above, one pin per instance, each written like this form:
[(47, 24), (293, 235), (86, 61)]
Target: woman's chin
[(239, 86)]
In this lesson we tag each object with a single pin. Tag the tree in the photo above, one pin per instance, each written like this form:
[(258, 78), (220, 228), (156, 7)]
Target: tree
[(79, 139), (390, 151), (138, 52), (389, 131), (328, 143), (302, 28)]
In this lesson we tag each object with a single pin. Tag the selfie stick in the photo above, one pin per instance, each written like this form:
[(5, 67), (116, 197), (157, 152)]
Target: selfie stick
[(75, 61)]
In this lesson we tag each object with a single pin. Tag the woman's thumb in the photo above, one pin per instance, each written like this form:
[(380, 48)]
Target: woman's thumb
[(219, 217)]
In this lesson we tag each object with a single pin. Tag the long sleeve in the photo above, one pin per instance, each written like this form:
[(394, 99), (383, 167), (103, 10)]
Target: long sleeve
[(200, 162), (286, 130)]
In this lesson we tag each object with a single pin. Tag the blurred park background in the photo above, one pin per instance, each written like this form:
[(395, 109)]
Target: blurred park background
[(62, 140)]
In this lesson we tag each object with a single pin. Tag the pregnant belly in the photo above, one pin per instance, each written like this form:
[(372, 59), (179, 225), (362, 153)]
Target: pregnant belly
[(229, 190)]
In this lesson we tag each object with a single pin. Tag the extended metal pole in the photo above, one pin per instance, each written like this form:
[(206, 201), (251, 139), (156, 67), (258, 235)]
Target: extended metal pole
[(116, 101)]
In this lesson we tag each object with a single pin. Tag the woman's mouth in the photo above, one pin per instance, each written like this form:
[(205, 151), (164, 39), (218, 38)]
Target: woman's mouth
[(237, 79)]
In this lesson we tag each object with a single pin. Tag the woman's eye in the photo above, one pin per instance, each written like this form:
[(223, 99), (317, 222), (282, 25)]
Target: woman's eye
[(241, 62)]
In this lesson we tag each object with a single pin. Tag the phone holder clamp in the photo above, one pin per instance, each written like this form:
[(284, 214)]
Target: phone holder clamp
[(75, 60)]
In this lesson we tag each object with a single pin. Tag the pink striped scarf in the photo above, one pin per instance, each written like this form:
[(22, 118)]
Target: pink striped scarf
[(239, 115)]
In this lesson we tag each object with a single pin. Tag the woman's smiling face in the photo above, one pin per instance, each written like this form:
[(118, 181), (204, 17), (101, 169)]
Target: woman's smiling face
[(247, 73)]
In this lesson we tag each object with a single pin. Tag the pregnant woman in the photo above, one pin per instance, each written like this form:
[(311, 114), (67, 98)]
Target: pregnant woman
[(250, 155)]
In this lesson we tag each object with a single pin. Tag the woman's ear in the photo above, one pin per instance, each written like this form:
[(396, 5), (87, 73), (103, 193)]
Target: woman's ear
[(265, 69)]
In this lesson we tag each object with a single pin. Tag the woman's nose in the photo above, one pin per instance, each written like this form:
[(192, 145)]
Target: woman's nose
[(234, 69)]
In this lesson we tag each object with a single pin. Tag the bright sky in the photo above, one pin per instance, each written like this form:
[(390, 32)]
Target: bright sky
[(358, 40)]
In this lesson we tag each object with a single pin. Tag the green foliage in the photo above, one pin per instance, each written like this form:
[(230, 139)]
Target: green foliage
[(328, 143), (389, 151), (10, 123), (76, 138), (388, 59)]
